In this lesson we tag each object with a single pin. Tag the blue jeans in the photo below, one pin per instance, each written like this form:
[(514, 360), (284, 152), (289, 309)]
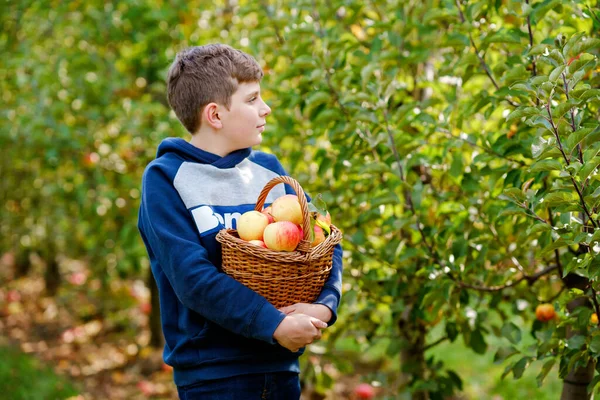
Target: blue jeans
[(270, 386)]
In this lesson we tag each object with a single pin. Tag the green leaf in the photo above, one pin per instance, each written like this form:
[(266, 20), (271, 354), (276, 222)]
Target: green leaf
[(571, 42), (588, 168), (511, 332), (576, 137), (576, 342), (540, 9), (586, 44), (477, 342), (563, 108), (556, 73), (538, 49), (504, 353), (538, 145), (553, 246), (519, 367), (546, 368), (558, 199), (451, 331), (304, 62), (588, 94), (515, 194), (595, 344), (546, 165), (522, 112)]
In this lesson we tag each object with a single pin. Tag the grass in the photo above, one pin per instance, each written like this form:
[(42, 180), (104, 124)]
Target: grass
[(22, 377)]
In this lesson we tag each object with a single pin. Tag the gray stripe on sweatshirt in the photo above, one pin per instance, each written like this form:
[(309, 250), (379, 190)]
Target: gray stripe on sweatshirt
[(203, 184)]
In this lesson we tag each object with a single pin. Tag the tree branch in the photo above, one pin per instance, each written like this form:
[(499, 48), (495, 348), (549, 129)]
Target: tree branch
[(529, 278), (534, 72), (581, 199), (440, 340)]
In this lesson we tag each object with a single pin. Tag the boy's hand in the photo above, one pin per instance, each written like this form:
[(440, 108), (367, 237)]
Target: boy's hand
[(314, 310), (298, 330)]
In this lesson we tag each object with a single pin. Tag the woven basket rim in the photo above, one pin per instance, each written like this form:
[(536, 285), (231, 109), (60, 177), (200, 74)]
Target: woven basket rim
[(228, 237)]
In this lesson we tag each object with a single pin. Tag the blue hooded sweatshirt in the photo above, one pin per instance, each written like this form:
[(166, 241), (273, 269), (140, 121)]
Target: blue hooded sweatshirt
[(214, 326)]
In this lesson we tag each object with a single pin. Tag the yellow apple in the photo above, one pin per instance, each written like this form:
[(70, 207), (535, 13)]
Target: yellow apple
[(287, 208), (319, 236), (251, 225)]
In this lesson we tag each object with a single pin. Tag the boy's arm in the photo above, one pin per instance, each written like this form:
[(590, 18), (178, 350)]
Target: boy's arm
[(332, 290), (172, 238)]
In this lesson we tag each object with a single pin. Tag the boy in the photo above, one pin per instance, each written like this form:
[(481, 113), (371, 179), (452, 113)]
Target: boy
[(223, 340)]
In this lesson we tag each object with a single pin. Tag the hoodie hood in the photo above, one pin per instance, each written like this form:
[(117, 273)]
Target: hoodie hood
[(191, 153)]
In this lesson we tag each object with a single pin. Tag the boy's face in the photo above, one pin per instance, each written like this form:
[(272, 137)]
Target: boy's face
[(245, 120)]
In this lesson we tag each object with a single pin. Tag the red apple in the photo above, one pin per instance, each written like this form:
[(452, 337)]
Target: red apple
[(545, 312), (282, 236), (287, 208), (267, 212), (364, 391), (251, 224)]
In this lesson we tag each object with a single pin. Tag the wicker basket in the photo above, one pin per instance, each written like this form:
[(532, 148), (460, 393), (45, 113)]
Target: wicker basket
[(283, 278)]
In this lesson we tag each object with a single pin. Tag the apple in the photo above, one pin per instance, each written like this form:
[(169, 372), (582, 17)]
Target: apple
[(364, 391), (545, 312), (319, 236), (287, 208), (258, 243), (594, 319), (251, 224), (267, 212), (282, 236)]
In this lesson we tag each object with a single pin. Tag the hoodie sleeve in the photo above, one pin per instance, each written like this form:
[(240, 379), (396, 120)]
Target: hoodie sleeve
[(172, 239), (331, 293)]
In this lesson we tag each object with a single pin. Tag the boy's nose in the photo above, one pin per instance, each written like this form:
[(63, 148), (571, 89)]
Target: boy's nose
[(266, 110)]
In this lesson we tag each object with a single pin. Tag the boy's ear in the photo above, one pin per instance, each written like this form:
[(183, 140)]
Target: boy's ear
[(211, 115)]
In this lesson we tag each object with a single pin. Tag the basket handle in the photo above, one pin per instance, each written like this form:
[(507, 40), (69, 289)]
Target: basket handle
[(304, 245)]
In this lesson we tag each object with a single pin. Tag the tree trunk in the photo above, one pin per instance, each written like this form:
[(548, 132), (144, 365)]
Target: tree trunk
[(412, 358), (156, 334), (22, 264), (576, 382), (52, 275)]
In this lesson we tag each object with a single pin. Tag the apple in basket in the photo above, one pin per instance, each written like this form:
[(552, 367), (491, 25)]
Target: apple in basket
[(287, 208), (282, 236), (258, 243), (251, 225)]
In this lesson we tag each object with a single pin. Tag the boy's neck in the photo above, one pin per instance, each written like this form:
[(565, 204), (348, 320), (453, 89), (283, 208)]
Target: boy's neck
[(209, 142)]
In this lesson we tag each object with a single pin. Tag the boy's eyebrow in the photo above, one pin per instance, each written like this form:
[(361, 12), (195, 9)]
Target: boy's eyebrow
[(255, 93)]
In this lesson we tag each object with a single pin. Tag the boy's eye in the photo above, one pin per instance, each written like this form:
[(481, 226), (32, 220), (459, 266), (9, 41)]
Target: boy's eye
[(252, 99)]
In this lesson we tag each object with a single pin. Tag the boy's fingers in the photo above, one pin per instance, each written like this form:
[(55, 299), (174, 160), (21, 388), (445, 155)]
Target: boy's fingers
[(318, 335), (318, 323)]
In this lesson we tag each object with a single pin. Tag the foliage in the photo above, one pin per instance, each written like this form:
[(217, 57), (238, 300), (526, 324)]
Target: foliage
[(455, 144)]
